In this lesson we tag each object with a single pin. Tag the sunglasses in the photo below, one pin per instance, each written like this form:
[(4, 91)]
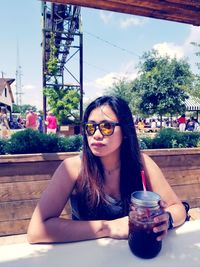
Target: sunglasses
[(106, 128)]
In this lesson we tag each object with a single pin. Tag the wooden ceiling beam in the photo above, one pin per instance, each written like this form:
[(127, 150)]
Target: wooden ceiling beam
[(183, 11)]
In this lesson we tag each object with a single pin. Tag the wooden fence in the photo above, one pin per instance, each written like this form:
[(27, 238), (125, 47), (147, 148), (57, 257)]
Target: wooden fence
[(24, 177)]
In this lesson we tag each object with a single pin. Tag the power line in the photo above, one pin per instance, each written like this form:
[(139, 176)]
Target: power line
[(96, 67), (111, 44)]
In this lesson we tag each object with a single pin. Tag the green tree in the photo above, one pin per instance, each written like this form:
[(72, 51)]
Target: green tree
[(23, 108), (162, 84), (197, 53), (64, 103), (123, 88)]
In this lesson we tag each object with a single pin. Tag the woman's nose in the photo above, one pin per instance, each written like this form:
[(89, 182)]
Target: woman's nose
[(97, 133)]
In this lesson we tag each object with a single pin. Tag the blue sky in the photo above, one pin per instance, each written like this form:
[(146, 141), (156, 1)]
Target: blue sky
[(113, 43)]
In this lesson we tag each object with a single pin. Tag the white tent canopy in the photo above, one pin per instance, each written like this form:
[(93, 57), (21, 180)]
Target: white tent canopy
[(192, 104)]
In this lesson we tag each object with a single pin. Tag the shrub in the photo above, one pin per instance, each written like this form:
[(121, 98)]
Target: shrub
[(29, 141), (171, 138), (23, 142), (145, 143), (70, 144), (2, 146), (166, 138)]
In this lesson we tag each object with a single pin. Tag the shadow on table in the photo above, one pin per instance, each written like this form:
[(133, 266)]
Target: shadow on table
[(184, 251)]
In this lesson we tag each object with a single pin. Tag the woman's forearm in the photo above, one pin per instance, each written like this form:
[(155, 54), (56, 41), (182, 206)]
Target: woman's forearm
[(65, 230)]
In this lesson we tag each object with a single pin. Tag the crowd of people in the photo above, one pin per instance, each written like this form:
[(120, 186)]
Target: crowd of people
[(35, 121), (190, 124), (181, 123), (31, 120)]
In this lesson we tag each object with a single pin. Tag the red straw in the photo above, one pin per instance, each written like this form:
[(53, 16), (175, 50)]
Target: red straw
[(143, 180)]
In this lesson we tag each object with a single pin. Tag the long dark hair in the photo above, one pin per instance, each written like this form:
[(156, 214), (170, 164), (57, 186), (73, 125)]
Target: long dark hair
[(92, 176)]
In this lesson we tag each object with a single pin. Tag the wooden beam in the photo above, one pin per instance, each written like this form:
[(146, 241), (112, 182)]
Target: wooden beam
[(186, 11)]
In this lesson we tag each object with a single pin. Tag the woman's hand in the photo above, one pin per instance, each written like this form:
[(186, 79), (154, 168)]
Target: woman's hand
[(118, 228), (162, 223)]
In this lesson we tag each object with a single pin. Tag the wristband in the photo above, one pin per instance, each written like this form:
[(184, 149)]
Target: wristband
[(170, 222)]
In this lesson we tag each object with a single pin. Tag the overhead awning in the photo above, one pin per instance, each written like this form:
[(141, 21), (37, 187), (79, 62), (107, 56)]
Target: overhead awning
[(184, 11), (192, 104)]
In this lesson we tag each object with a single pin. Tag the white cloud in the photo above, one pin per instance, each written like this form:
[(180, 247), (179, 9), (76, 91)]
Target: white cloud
[(32, 95), (131, 21), (106, 16), (194, 35), (170, 49), (97, 87)]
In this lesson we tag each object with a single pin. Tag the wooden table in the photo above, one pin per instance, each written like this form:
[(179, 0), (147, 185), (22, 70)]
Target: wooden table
[(181, 248)]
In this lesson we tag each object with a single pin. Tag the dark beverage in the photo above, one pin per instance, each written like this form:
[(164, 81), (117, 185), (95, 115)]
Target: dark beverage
[(142, 240)]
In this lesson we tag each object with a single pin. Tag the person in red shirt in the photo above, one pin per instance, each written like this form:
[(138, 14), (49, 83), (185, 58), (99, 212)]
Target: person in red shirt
[(31, 120), (182, 123), (51, 123)]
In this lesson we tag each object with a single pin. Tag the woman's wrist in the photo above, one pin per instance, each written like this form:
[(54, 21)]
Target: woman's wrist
[(170, 221), (105, 229)]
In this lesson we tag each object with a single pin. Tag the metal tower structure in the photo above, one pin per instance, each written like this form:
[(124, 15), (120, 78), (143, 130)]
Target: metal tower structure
[(18, 81), (61, 30)]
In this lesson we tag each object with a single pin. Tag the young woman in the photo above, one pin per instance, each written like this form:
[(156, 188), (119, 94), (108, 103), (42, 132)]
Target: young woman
[(100, 181)]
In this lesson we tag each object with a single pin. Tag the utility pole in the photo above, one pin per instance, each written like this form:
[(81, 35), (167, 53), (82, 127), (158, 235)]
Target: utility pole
[(18, 81)]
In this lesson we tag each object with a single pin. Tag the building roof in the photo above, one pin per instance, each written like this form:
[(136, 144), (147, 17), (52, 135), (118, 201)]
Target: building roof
[(5, 83), (192, 103), (184, 11)]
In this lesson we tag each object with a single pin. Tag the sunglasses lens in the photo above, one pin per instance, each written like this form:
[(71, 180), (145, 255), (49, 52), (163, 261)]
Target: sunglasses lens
[(90, 128), (106, 128)]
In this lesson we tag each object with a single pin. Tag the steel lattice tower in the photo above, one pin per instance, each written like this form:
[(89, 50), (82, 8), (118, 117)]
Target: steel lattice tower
[(63, 23)]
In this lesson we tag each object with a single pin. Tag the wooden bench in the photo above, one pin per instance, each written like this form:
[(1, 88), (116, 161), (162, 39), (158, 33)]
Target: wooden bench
[(24, 177)]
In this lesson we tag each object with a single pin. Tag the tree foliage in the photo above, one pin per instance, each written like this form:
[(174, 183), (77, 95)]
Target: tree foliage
[(162, 84), (64, 103), (123, 88), (23, 108)]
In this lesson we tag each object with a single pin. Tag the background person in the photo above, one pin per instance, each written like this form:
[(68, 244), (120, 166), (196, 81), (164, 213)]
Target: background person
[(4, 125), (100, 181), (39, 123), (182, 123), (51, 123), (31, 120)]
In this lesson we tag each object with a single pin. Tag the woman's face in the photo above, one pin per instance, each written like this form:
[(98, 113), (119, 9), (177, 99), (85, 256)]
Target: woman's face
[(99, 144)]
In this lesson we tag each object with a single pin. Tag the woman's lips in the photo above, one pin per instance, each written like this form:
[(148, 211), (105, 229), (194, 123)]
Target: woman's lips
[(97, 144)]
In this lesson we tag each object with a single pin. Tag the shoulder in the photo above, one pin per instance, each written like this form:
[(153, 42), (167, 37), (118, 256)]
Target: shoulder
[(150, 165), (146, 159), (72, 166)]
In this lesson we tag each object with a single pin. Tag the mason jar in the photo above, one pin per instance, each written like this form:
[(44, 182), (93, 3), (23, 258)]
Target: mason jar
[(142, 240)]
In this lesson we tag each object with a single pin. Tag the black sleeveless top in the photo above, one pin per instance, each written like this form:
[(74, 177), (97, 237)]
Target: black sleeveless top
[(109, 210)]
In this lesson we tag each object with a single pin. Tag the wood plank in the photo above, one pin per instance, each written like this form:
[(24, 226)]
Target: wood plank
[(17, 210), (25, 178), (36, 157), (189, 193), (29, 168), (22, 190), (13, 227), (182, 177), (23, 210), (177, 161), (186, 11)]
